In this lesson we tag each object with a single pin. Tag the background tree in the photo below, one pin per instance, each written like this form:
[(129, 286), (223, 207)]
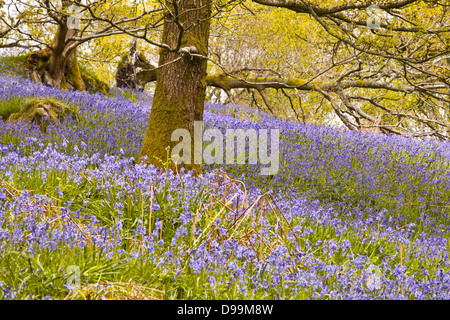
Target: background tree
[(381, 68), (378, 69), (59, 28)]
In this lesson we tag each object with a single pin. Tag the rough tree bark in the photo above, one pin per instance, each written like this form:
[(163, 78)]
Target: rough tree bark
[(57, 65), (181, 86), (134, 70)]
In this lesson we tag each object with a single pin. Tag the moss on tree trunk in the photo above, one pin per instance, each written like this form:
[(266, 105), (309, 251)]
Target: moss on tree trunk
[(57, 65), (73, 77), (180, 87), (63, 72), (134, 71)]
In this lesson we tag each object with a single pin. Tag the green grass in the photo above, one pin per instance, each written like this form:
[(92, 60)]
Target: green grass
[(128, 94), (85, 70), (92, 81), (10, 106)]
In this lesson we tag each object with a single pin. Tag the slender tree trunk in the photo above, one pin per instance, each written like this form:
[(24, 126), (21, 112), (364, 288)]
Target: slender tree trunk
[(181, 81)]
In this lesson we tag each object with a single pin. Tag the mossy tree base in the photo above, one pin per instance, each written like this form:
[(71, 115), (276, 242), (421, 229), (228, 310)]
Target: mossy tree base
[(93, 84), (73, 78), (38, 71), (43, 112)]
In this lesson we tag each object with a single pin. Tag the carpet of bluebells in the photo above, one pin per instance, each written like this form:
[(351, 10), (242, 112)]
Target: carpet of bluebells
[(348, 216)]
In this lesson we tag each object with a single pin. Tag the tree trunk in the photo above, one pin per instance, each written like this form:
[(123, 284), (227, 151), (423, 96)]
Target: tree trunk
[(57, 66), (181, 81), (134, 70), (63, 65)]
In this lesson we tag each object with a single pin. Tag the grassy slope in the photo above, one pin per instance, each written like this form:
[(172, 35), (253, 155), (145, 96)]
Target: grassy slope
[(86, 209)]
